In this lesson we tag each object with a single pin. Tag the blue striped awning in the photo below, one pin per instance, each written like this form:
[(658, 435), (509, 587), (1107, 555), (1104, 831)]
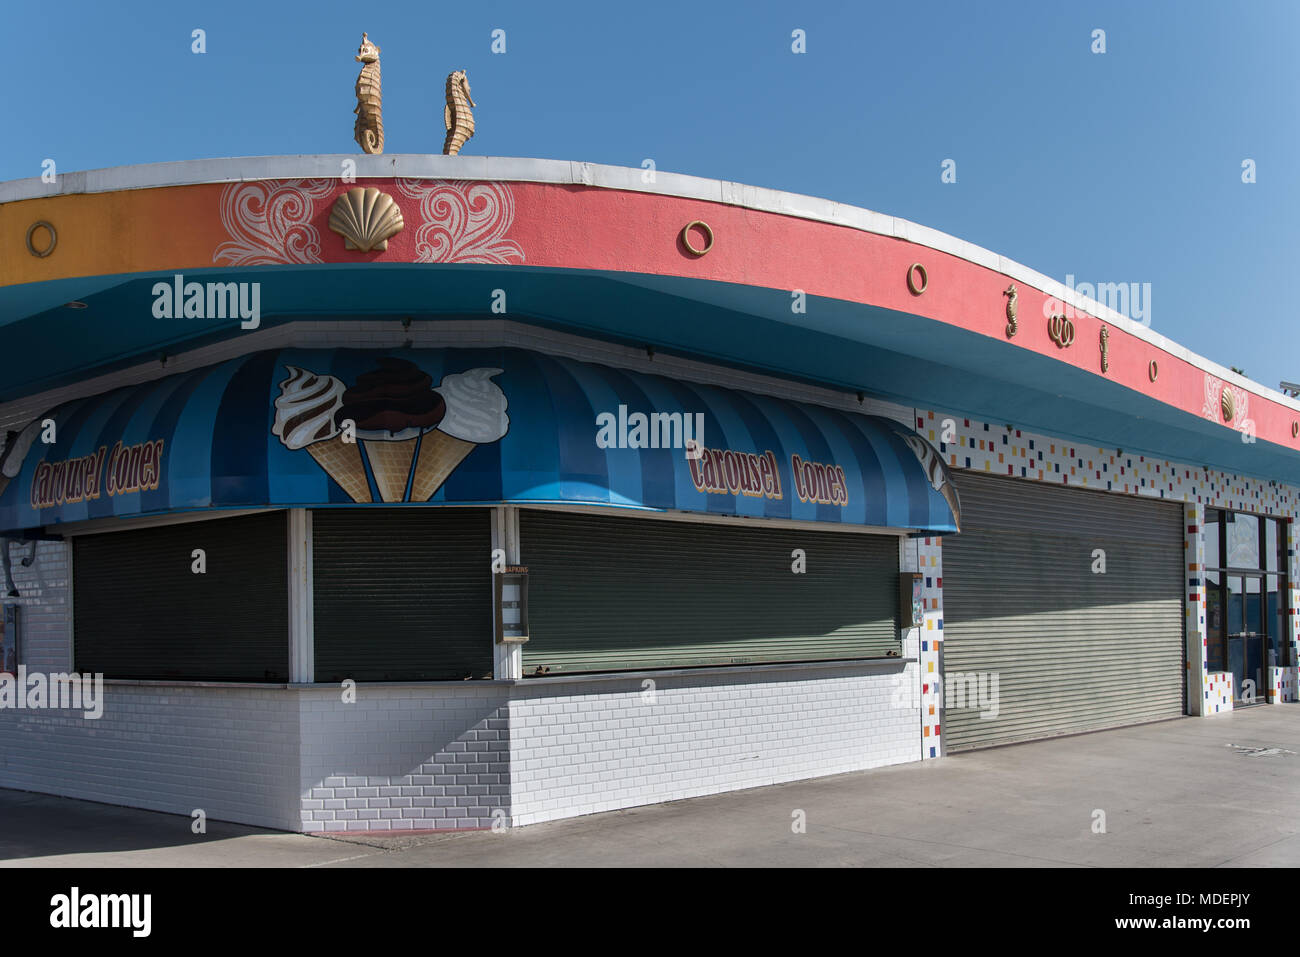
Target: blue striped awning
[(462, 426)]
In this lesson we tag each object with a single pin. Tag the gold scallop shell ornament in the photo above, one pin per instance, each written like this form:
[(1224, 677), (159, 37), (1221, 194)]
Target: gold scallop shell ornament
[(1228, 404), (366, 219)]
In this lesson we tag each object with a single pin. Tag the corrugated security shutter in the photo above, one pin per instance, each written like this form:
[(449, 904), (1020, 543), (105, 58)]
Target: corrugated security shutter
[(402, 594), (140, 611), (1073, 650), (609, 594)]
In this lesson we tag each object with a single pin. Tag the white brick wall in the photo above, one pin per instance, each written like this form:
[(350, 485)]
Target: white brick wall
[(231, 751), (291, 758), (401, 758), (584, 747)]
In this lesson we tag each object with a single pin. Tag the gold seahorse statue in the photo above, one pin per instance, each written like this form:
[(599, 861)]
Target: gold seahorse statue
[(456, 115), (369, 129)]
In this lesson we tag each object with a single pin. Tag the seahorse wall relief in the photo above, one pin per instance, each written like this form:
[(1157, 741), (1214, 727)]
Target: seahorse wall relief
[(369, 129), (456, 114)]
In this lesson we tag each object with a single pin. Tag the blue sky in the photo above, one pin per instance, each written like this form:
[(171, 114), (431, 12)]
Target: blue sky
[(1115, 167)]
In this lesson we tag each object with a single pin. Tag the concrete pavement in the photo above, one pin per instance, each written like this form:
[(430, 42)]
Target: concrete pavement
[(1221, 791)]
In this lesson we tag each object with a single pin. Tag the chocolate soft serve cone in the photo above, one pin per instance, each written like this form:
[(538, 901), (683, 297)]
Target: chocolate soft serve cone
[(392, 407), (304, 418), (475, 413)]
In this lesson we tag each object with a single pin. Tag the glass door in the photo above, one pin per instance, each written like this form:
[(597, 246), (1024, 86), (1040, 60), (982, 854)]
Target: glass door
[(1246, 639), (1247, 628)]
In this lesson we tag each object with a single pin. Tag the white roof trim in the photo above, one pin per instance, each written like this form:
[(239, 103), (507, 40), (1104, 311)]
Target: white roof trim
[(511, 169)]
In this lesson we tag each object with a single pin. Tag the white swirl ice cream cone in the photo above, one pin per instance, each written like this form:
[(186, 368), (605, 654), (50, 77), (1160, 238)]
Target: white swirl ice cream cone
[(476, 413), (304, 418)]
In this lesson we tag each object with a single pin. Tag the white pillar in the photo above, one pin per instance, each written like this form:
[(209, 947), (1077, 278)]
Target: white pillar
[(302, 641), (507, 658)]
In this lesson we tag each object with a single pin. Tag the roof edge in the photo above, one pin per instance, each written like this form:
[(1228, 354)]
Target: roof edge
[(573, 173)]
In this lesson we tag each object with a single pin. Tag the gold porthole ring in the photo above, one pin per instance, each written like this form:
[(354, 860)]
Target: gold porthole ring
[(686, 237), (54, 239), (912, 270), (1153, 370)]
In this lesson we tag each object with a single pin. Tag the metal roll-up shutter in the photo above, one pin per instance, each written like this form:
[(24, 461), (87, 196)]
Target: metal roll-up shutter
[(1072, 650), (402, 594), (609, 594), (140, 610)]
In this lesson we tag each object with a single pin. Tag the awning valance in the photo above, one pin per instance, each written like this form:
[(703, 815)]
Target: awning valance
[(463, 426)]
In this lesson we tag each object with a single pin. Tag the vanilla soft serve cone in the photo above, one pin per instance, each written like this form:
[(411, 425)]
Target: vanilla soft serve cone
[(476, 413)]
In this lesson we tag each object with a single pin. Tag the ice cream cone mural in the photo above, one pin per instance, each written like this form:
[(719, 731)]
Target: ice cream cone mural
[(392, 407), (304, 418), (475, 414), (414, 435)]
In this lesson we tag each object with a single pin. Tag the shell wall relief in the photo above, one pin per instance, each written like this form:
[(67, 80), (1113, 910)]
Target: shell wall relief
[(366, 219)]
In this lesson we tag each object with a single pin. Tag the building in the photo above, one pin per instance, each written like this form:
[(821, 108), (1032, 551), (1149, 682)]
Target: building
[(773, 488)]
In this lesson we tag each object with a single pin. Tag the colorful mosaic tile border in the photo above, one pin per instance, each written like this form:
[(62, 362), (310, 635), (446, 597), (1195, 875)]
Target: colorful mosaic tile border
[(1196, 635), (1000, 450), (1291, 682), (930, 562)]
